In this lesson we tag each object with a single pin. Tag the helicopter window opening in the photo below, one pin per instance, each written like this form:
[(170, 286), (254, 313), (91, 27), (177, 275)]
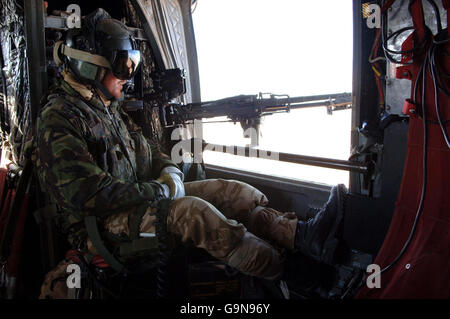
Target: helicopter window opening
[(299, 48)]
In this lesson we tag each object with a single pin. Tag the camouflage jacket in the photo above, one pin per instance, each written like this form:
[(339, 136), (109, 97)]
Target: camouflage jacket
[(83, 166)]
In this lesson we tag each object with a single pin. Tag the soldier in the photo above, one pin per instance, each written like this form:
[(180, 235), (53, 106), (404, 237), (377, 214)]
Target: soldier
[(94, 161)]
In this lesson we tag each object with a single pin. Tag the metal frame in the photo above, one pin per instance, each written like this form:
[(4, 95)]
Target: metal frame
[(365, 98), (363, 168), (35, 39)]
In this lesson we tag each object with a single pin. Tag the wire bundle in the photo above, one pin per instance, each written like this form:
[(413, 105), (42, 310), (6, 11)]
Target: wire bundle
[(431, 46), (375, 60)]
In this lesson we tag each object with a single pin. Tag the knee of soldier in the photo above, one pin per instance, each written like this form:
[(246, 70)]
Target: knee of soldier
[(195, 213), (190, 209), (246, 193), (240, 198), (196, 220), (223, 189), (239, 193)]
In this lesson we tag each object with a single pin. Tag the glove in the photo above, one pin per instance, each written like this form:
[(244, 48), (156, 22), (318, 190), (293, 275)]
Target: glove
[(172, 180)]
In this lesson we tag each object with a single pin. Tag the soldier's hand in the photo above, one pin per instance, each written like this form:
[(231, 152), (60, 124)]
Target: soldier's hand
[(168, 180), (173, 178)]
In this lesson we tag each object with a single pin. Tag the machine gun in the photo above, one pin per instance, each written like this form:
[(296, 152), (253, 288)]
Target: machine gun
[(248, 109)]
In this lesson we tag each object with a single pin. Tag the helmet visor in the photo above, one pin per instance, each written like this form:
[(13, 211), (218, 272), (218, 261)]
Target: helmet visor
[(126, 63)]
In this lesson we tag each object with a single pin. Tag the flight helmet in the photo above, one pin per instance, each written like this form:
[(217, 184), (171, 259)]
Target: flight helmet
[(101, 44)]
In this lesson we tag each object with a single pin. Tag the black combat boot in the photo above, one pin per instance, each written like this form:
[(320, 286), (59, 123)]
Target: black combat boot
[(319, 236)]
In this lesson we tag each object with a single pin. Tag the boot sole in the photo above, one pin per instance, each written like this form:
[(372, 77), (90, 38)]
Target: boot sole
[(332, 241)]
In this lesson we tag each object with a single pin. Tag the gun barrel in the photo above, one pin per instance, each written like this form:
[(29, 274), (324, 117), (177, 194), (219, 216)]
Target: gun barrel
[(302, 99), (290, 158), (305, 105)]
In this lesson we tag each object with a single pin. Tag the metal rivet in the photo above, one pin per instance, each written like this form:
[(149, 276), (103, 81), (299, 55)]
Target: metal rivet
[(408, 266)]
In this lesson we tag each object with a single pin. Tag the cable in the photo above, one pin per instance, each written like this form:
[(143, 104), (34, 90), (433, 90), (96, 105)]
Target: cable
[(374, 59), (439, 72), (419, 49), (375, 67), (431, 57), (425, 144), (437, 15), (430, 62)]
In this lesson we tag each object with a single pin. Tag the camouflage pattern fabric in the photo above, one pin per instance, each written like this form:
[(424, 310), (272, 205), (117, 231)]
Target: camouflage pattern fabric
[(275, 227), (55, 286), (82, 165), (214, 215), (196, 221), (233, 198)]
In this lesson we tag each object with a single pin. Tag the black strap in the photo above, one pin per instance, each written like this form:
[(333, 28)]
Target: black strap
[(135, 221), (142, 246), (94, 236), (46, 218), (161, 243)]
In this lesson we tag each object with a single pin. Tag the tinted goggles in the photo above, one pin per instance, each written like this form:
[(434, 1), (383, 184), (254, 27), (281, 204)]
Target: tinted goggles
[(126, 63)]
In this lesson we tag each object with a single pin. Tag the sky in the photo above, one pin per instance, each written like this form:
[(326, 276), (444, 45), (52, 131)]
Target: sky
[(293, 47)]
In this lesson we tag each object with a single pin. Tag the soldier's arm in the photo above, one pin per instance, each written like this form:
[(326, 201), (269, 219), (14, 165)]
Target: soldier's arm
[(72, 176), (160, 160)]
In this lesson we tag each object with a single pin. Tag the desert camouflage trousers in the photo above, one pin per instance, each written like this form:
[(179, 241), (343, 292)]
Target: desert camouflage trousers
[(214, 215)]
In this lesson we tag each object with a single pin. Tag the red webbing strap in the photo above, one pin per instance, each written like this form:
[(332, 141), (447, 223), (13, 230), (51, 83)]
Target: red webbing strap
[(416, 38), (3, 173), (416, 11), (12, 266)]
